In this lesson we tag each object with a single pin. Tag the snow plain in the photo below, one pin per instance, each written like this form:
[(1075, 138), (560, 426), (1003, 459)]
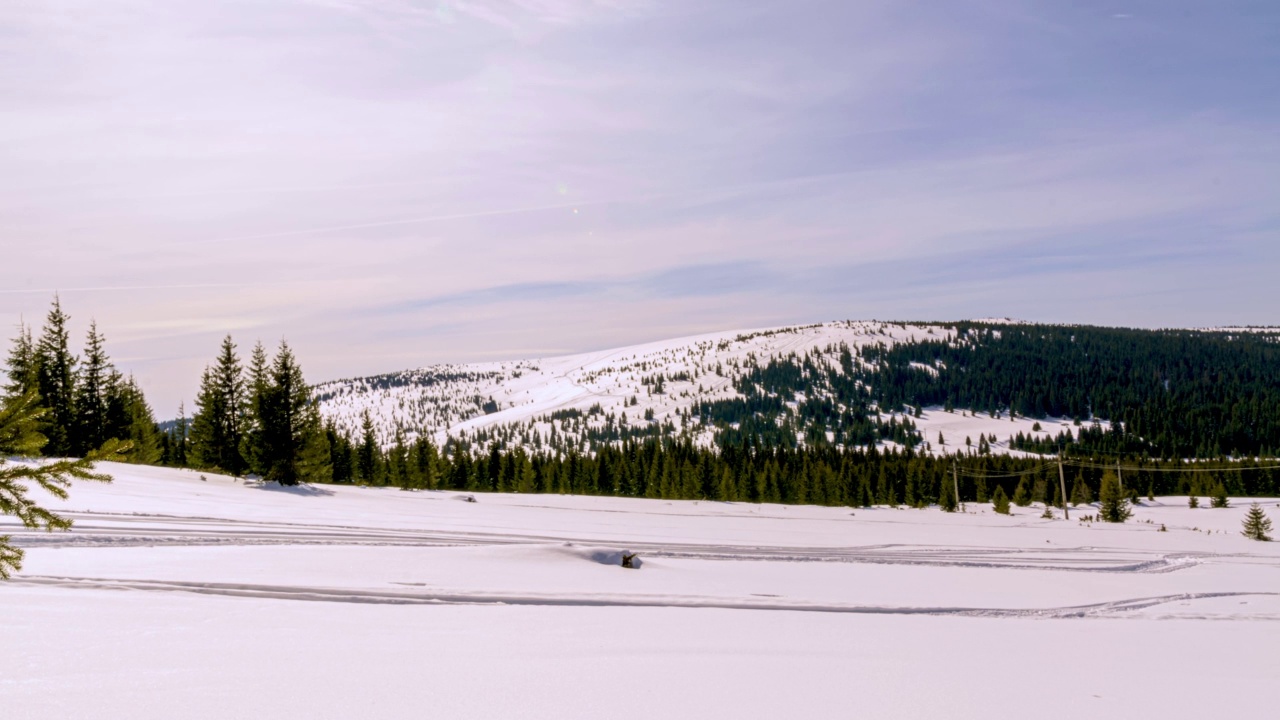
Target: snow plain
[(177, 596)]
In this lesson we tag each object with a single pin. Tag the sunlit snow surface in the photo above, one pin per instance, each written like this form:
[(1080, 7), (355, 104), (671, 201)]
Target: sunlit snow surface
[(181, 597)]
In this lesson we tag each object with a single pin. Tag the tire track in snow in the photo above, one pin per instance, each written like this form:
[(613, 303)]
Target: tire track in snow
[(104, 530), (123, 530), (1115, 608)]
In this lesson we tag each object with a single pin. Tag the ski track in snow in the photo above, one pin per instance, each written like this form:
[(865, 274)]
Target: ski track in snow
[(116, 530), (354, 595)]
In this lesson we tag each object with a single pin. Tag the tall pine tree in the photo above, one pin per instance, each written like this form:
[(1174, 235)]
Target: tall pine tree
[(94, 380), (21, 370), (55, 376), (252, 448), (129, 418), (294, 445), (217, 430)]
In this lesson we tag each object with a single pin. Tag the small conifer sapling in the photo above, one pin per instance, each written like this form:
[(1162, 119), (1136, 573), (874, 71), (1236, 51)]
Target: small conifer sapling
[(1000, 501), (1257, 525), (1114, 504), (1219, 498)]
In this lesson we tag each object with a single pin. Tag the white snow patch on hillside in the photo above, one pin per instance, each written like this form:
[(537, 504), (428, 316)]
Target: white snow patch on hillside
[(449, 400)]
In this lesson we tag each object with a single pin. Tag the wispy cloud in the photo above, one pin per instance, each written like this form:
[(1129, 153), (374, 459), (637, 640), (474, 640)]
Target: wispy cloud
[(393, 182)]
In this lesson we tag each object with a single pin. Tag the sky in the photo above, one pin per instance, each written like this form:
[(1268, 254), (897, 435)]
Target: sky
[(394, 183)]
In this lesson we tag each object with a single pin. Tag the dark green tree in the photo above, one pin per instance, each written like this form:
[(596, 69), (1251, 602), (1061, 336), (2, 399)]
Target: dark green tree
[(1080, 493), (367, 453), (398, 467), (55, 373), (22, 371), (1218, 498), (947, 497), (1114, 506), (92, 388), (179, 439), (341, 454), (294, 446), (427, 460), (252, 443), (1256, 524), (1022, 494), (217, 429), (1000, 501), (129, 418)]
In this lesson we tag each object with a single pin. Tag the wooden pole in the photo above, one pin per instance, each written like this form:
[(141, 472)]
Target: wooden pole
[(1062, 481), (955, 479), (1119, 476)]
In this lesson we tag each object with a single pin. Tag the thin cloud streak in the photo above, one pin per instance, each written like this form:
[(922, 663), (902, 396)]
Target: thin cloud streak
[(389, 183)]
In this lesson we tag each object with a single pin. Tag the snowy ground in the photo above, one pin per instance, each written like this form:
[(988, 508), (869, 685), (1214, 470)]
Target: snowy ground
[(181, 597)]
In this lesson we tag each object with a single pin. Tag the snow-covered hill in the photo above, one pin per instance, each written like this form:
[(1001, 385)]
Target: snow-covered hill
[(648, 390)]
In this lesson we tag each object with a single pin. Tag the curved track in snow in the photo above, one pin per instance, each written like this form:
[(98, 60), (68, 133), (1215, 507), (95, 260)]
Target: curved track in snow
[(122, 530), (464, 597)]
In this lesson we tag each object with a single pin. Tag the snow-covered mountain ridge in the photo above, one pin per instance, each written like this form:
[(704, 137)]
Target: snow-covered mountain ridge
[(670, 388)]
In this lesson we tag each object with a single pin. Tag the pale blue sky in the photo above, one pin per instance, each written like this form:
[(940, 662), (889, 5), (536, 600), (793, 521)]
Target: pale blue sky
[(390, 183)]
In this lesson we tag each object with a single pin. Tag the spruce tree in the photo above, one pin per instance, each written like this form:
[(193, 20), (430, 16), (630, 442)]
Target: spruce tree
[(179, 438), (1219, 497), (398, 464), (367, 453), (55, 376), (130, 419), (95, 378), (1000, 501), (1022, 494), (294, 446), (252, 448), (947, 497), (1114, 505), (1080, 494), (217, 429), (341, 454), (20, 437), (21, 369), (1256, 524)]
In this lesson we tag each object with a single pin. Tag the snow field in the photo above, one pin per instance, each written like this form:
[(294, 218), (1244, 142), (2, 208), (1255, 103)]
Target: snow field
[(180, 597)]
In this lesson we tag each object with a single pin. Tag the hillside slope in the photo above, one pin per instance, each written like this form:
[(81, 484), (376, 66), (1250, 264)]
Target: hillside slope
[(997, 385)]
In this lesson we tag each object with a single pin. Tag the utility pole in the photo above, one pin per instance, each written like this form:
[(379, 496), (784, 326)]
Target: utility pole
[(1062, 481), (955, 479), (1119, 476)]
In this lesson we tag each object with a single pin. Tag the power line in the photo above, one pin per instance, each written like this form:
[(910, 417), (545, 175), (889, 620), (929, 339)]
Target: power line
[(1139, 468), (1022, 473)]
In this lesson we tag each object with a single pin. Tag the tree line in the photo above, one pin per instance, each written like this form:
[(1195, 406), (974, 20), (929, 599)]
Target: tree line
[(1170, 393), (84, 401)]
